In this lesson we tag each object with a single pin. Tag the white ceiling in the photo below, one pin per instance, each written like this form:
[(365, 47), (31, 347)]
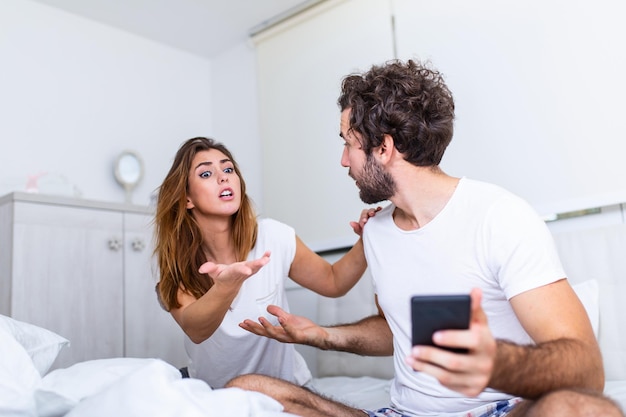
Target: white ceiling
[(203, 27)]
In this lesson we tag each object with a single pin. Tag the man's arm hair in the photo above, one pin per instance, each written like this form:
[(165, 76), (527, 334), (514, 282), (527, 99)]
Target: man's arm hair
[(370, 336), (516, 365)]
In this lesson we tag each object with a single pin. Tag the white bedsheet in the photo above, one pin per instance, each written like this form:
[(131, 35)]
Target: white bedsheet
[(360, 392), (373, 393)]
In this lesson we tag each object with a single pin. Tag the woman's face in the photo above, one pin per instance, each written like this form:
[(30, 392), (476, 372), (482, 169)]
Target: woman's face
[(214, 188)]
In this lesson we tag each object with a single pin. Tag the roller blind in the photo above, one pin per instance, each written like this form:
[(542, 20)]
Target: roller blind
[(300, 66)]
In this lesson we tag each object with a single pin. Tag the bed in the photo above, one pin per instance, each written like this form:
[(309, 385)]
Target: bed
[(595, 259)]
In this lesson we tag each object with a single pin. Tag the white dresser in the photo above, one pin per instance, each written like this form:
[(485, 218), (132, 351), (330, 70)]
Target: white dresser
[(85, 270)]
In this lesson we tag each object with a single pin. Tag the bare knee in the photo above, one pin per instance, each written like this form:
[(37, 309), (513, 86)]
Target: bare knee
[(250, 382), (242, 381), (294, 398), (278, 389), (574, 403)]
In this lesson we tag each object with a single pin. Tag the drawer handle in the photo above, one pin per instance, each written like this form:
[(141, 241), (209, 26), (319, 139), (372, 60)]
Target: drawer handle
[(138, 245), (115, 244)]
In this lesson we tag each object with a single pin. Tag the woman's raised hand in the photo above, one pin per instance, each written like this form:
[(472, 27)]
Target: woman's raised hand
[(234, 273)]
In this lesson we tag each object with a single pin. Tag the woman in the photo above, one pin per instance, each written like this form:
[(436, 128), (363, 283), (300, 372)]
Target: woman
[(219, 265)]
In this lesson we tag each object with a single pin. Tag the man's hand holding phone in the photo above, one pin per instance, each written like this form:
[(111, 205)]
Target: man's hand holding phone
[(469, 372)]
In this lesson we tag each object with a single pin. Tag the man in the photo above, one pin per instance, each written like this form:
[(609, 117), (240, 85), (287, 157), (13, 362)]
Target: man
[(531, 348)]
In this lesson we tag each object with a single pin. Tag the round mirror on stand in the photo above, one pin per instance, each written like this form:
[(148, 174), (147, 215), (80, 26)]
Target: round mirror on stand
[(128, 172)]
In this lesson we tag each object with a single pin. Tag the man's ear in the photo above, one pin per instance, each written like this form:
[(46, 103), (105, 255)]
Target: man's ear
[(386, 150)]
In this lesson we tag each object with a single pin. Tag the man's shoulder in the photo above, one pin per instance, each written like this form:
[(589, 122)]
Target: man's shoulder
[(497, 205), (485, 191), (379, 222), (482, 186)]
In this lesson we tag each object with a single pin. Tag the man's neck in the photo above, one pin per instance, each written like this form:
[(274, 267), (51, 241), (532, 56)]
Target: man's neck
[(422, 192)]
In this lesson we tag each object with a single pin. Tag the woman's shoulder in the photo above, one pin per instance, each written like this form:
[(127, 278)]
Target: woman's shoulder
[(277, 237), (269, 225)]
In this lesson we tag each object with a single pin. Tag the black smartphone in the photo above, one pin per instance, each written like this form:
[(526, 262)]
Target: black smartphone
[(430, 313)]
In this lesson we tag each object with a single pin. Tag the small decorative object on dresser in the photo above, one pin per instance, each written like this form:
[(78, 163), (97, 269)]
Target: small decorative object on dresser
[(128, 171)]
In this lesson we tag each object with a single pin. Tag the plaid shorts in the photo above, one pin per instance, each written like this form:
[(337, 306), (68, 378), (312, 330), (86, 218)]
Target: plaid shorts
[(497, 409)]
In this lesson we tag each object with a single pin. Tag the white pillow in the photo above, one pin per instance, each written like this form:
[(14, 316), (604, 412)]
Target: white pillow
[(588, 292), (43, 346), (18, 378)]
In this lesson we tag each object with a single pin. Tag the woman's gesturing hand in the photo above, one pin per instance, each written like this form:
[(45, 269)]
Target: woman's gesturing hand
[(234, 273)]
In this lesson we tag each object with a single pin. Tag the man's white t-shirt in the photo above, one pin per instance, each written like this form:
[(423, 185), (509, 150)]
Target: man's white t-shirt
[(232, 351), (484, 237)]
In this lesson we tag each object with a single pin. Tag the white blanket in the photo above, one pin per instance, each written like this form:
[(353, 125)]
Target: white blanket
[(141, 387), (120, 387)]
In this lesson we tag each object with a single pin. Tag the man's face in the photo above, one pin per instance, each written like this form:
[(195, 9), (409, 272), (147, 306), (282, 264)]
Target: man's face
[(374, 183)]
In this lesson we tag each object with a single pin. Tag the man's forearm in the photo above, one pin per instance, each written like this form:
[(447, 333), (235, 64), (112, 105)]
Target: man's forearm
[(532, 370), (368, 337)]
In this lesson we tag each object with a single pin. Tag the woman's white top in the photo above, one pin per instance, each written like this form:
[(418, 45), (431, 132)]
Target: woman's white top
[(232, 351)]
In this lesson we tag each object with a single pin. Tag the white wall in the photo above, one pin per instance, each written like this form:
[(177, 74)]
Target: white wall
[(75, 93), (236, 115), (539, 89)]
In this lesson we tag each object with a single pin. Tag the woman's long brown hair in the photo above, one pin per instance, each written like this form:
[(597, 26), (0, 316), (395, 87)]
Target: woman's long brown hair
[(178, 239)]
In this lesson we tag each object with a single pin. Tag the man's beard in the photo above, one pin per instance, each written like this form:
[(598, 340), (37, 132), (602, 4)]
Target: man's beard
[(375, 185)]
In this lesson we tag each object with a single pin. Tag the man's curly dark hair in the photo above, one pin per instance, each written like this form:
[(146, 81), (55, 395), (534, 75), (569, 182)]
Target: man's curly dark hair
[(408, 101)]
